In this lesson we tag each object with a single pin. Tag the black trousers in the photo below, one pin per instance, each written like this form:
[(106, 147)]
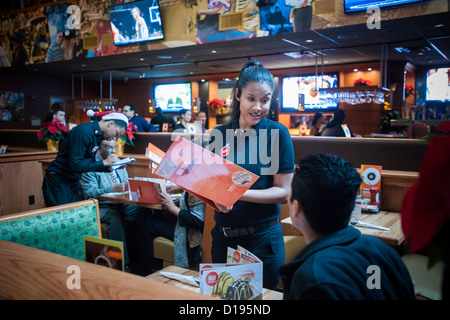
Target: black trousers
[(266, 244), (58, 190)]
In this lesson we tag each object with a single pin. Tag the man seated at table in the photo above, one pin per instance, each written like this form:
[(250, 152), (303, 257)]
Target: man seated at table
[(123, 221), (338, 262)]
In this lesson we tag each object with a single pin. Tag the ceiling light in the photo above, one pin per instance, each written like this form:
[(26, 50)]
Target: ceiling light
[(142, 59), (356, 70), (213, 51), (369, 69), (309, 40), (164, 57), (439, 25)]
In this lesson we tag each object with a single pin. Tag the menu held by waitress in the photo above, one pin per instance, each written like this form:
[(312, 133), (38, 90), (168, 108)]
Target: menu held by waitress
[(207, 176)]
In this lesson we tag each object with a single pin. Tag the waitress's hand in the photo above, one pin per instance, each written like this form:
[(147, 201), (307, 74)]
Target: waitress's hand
[(110, 160), (223, 208)]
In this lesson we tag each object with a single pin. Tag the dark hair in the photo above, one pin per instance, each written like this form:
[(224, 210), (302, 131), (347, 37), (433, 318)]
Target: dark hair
[(132, 107), (326, 187), (338, 118), (54, 109), (183, 111), (317, 116), (120, 123), (252, 71)]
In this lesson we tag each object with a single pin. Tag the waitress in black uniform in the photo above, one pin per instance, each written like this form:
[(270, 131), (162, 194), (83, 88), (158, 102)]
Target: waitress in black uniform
[(77, 155), (265, 148)]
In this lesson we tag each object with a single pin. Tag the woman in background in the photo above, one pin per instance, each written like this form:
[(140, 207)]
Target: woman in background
[(317, 122), (185, 118)]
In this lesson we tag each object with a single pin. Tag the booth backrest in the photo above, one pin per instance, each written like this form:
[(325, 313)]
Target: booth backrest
[(391, 154), (58, 229)]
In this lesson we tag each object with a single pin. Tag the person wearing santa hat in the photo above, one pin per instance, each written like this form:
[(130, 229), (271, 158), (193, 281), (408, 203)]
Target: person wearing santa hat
[(77, 155)]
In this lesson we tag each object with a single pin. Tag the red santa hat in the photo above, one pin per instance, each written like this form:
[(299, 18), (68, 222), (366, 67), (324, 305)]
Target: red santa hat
[(108, 115)]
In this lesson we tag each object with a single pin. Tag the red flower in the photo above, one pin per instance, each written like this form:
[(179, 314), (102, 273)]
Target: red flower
[(361, 81), (409, 90), (217, 103), (52, 131), (129, 134)]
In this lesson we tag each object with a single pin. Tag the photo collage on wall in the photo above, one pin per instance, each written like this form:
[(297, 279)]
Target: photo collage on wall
[(85, 29)]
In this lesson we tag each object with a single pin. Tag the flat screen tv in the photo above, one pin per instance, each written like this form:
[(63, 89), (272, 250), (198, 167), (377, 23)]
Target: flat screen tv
[(302, 90), (172, 97), (362, 5), (438, 84), (136, 22)]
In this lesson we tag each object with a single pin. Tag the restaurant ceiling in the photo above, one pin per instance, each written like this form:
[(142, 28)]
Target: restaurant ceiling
[(422, 41)]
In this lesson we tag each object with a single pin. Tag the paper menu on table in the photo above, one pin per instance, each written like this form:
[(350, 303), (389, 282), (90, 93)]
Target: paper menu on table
[(146, 189), (155, 155), (122, 162), (238, 279), (204, 174)]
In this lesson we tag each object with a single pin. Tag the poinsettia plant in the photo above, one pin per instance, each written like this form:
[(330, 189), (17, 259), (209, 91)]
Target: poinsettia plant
[(218, 103), (361, 82), (129, 135), (52, 131), (409, 90)]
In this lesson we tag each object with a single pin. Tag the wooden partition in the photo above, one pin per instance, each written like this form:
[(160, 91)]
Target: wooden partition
[(391, 154), (21, 179)]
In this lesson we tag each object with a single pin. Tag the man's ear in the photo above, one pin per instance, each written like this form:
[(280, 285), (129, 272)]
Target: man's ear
[(296, 208), (111, 123)]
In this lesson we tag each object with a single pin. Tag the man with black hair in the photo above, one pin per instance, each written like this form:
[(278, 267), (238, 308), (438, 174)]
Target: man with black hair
[(338, 262), (140, 123)]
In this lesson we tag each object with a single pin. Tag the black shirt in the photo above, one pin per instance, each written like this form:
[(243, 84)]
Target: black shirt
[(77, 153), (255, 155)]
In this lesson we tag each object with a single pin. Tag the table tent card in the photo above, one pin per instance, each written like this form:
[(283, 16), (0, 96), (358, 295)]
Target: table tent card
[(238, 279), (370, 188)]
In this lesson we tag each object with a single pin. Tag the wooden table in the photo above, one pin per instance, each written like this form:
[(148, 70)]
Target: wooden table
[(125, 199), (392, 220), (29, 273), (267, 294)]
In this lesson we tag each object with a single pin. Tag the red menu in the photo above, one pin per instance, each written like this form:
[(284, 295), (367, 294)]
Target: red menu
[(204, 174)]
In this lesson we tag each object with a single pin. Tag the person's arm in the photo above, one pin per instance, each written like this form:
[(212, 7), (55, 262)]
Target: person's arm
[(79, 142), (214, 10), (149, 127), (91, 187), (191, 219), (278, 193)]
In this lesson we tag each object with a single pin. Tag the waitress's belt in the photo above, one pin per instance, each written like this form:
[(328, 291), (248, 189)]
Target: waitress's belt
[(240, 232)]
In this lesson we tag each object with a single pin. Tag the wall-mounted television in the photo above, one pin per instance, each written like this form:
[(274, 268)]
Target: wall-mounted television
[(172, 97), (302, 90), (438, 84), (362, 5), (136, 22)]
